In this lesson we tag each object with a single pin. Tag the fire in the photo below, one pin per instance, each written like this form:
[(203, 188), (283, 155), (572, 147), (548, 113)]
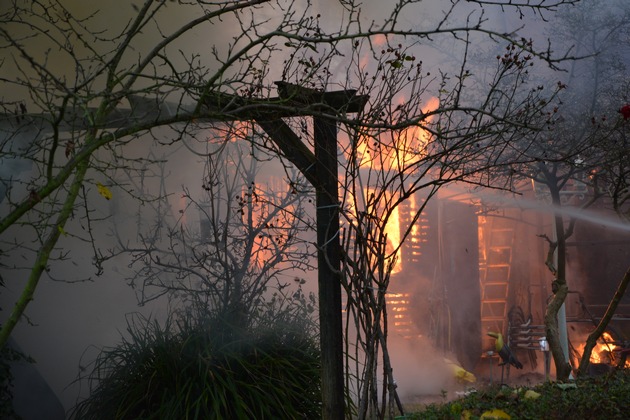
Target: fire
[(232, 131), (605, 351), (397, 152), (239, 130), (380, 40), (392, 230), (602, 352), (401, 150)]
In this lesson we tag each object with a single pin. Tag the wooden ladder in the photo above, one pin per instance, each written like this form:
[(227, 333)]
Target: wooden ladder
[(494, 277)]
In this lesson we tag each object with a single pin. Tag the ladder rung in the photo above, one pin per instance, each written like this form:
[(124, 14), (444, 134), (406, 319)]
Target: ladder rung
[(496, 283), (498, 265), (492, 318), (496, 300)]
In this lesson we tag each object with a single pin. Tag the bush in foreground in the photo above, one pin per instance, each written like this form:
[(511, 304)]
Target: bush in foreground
[(203, 369), (603, 397)]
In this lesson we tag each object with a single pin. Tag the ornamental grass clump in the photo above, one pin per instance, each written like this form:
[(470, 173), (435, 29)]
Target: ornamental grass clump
[(204, 368)]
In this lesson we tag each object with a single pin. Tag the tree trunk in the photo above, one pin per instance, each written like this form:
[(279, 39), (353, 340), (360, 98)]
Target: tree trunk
[(563, 368), (560, 287)]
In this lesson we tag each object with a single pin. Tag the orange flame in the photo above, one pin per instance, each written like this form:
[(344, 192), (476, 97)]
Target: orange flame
[(379, 39), (398, 154), (605, 351), (405, 148), (392, 230)]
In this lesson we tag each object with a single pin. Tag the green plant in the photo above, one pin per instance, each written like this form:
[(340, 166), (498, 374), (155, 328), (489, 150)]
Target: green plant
[(194, 367), (603, 397)]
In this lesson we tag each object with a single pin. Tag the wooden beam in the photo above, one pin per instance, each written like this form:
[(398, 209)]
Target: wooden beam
[(337, 101), (292, 147)]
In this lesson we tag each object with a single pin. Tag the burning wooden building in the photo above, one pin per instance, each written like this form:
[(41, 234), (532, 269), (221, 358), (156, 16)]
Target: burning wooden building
[(470, 268)]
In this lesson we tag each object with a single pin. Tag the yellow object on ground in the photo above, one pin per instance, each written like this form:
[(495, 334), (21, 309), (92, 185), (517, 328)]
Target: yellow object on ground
[(461, 374), (495, 414)]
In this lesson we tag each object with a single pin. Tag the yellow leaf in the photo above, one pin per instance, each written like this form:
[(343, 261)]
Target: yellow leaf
[(531, 395), (61, 231), (104, 191), (495, 414)]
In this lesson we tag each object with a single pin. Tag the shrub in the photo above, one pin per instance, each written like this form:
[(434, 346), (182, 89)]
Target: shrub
[(198, 366), (602, 397)]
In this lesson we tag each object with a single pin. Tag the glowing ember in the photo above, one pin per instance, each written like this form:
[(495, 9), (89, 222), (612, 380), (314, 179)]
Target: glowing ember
[(398, 304)]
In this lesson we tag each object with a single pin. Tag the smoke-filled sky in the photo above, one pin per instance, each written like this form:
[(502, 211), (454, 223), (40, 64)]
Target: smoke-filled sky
[(71, 317)]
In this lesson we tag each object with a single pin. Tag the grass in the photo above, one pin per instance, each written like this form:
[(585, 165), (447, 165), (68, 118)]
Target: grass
[(602, 397), (204, 369)]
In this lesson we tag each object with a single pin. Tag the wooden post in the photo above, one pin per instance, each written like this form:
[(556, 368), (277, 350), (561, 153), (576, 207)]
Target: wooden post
[(329, 268)]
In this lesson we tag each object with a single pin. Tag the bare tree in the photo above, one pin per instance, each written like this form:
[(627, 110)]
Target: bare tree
[(229, 249)]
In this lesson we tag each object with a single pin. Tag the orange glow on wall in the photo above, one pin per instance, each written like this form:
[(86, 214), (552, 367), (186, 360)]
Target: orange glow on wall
[(263, 215)]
